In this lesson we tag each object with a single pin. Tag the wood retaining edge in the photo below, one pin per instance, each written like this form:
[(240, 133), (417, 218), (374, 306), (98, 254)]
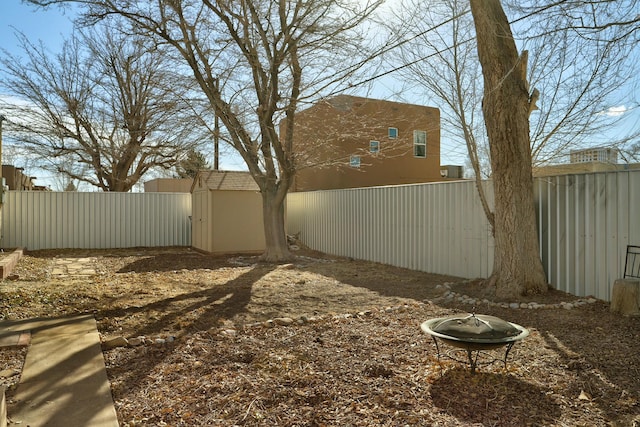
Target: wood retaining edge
[(8, 263)]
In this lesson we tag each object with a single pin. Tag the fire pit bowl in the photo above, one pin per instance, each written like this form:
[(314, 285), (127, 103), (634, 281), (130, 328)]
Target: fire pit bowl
[(474, 333)]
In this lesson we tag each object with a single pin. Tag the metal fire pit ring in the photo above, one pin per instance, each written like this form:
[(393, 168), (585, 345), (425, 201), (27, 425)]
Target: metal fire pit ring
[(482, 332)]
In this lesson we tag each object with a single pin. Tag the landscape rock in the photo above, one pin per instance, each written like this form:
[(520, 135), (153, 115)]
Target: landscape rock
[(283, 321), (8, 373), (115, 342), (584, 396), (135, 342)]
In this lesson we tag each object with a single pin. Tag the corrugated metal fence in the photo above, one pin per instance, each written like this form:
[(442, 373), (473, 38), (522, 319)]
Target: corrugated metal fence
[(439, 228), (585, 223), (45, 220)]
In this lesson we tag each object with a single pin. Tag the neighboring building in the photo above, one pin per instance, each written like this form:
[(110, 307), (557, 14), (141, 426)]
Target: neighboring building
[(16, 180), (226, 213), (451, 171), (574, 168), (598, 159), (348, 142), (597, 154), (168, 185)]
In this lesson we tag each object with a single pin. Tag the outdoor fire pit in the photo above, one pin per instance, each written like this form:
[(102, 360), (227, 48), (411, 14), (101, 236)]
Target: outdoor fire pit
[(474, 333)]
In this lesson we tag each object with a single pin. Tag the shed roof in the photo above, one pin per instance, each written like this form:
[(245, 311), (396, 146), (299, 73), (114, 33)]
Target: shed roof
[(224, 180)]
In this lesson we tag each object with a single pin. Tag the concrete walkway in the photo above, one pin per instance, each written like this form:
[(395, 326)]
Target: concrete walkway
[(64, 380)]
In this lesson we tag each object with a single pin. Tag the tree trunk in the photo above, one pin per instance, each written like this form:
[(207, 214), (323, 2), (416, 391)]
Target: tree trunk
[(276, 247), (517, 267)]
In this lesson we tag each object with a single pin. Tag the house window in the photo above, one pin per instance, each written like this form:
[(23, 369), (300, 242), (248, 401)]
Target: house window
[(393, 133), (354, 161), (419, 143), (374, 146)]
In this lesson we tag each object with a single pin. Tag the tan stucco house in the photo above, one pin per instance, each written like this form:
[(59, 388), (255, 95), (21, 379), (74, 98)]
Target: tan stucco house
[(348, 142)]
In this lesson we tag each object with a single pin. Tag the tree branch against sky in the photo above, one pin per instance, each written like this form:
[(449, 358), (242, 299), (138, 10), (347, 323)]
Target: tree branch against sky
[(583, 82), (595, 20), (583, 61), (256, 62), (449, 77), (101, 102)]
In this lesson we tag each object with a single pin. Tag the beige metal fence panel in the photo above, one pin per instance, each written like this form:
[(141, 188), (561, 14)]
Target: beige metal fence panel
[(585, 223), (45, 220), (439, 228)]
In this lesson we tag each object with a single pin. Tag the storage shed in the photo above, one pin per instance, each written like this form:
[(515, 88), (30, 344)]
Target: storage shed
[(226, 212)]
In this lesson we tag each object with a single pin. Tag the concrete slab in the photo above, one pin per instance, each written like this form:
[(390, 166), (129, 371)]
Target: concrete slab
[(69, 324), (3, 408), (15, 339), (64, 380)]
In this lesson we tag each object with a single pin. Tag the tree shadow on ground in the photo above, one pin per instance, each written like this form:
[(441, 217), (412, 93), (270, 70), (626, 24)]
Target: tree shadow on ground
[(599, 348), (607, 370), (492, 399), (196, 311), (385, 280), (184, 260)]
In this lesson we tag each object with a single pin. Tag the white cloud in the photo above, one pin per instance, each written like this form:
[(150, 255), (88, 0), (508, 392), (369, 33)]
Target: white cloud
[(615, 111)]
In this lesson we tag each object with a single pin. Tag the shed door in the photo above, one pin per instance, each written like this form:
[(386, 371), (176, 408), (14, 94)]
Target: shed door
[(199, 212)]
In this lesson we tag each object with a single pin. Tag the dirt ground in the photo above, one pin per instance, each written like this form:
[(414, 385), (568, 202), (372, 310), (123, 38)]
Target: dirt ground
[(324, 341)]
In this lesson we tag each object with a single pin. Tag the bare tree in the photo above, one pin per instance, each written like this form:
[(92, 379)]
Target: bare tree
[(602, 20), (100, 111), (582, 64), (575, 79), (507, 104), (578, 78), (255, 61)]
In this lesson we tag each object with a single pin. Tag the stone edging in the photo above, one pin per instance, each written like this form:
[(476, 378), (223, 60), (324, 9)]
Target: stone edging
[(451, 296)]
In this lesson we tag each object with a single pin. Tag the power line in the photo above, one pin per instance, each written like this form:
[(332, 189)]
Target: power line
[(460, 43)]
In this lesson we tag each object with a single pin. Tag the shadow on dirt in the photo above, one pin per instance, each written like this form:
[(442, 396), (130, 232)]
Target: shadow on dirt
[(600, 348), (192, 312), (203, 309), (385, 280), (493, 399), (183, 260)]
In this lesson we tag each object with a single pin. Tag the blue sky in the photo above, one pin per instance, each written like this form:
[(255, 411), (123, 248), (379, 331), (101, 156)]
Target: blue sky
[(47, 25), (52, 25)]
